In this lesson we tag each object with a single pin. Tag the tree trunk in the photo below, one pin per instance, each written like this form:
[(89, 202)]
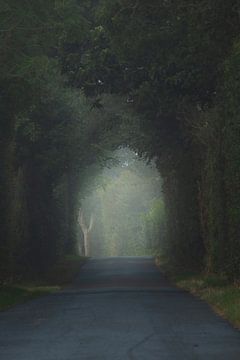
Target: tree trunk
[(86, 232)]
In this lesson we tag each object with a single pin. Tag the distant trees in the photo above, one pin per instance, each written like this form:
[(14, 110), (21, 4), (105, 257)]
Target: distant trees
[(129, 216), (154, 225)]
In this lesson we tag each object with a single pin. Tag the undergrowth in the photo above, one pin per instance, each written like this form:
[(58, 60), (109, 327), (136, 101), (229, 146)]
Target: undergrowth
[(15, 292)]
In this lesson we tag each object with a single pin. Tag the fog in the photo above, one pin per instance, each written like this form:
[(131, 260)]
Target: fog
[(124, 215)]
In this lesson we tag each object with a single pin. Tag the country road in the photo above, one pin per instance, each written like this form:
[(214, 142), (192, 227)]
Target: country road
[(117, 309)]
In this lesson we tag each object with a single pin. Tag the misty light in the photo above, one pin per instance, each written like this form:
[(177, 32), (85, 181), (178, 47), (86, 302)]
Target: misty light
[(128, 209)]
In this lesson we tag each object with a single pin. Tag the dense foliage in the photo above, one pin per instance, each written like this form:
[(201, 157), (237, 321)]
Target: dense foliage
[(50, 133), (180, 64), (176, 64)]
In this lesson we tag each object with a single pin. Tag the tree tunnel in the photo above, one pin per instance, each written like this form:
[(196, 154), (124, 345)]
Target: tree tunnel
[(78, 82)]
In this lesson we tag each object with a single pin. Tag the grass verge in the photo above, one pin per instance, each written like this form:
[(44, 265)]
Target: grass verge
[(223, 297), (13, 295), (59, 276)]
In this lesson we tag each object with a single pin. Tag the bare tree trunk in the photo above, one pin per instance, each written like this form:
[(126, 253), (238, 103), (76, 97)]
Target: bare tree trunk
[(86, 232)]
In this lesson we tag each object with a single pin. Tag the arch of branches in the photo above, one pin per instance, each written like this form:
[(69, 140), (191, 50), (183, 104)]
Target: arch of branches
[(77, 81)]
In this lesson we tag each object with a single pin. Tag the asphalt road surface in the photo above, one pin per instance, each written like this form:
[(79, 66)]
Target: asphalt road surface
[(118, 308)]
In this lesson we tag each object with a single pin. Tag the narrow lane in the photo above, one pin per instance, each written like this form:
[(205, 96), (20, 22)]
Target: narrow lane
[(118, 308)]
